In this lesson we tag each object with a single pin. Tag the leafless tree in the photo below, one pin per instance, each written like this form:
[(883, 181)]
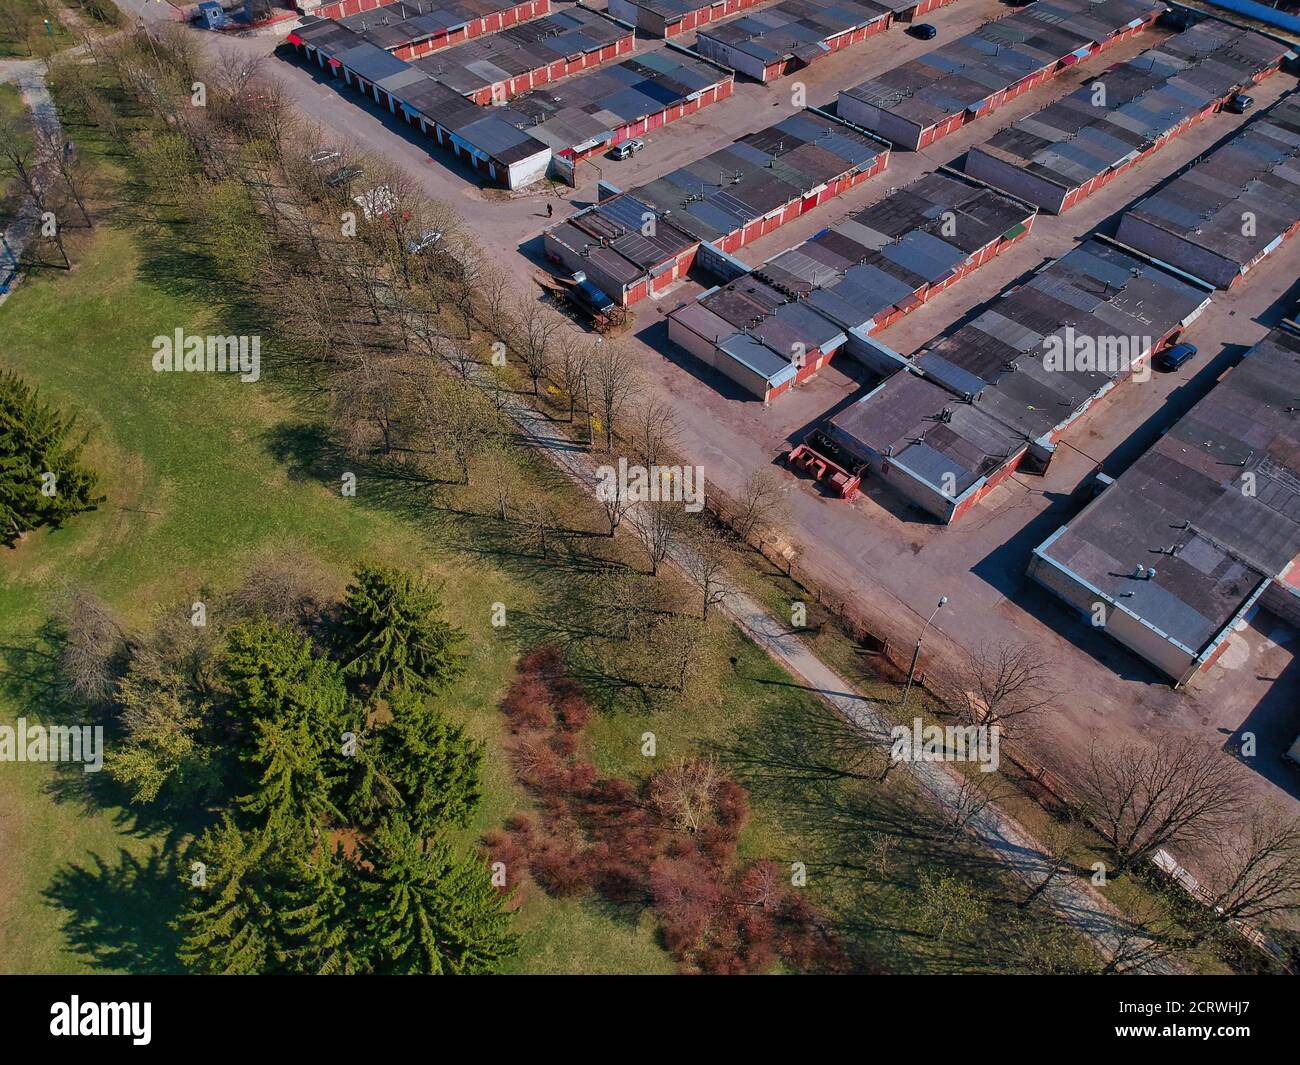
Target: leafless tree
[(614, 501), (59, 155), (614, 381), (1009, 685), (572, 356), (1057, 839), (705, 561), (684, 794), (759, 503), (20, 159), (532, 334), (92, 642), (976, 791), (1143, 797), (1253, 874), (660, 525), (656, 428)]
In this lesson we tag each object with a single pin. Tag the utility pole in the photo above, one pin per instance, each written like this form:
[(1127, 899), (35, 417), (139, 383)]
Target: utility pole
[(916, 651)]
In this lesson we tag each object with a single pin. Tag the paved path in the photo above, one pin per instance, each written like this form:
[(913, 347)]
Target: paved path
[(30, 76)]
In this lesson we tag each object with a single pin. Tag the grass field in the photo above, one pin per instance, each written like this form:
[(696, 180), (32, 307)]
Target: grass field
[(12, 110), (23, 33)]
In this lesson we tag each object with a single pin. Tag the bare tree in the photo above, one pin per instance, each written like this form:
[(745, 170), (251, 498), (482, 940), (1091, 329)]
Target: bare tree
[(656, 429), (573, 354), (659, 524), (1010, 685), (60, 155), (759, 504), (613, 499), (91, 644), (1143, 797), (532, 333), (684, 794), (1254, 874), (1057, 838), (20, 159), (705, 561), (614, 380), (976, 791)]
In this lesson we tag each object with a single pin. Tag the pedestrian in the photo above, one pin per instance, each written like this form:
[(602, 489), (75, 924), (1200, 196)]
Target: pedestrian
[(550, 210)]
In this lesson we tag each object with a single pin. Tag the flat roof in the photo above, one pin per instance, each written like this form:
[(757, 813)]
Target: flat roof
[(1256, 173), (407, 21), (797, 27), (1103, 306), (963, 74), (1073, 140), (519, 49), (848, 274), (1220, 490), (559, 116), (922, 428), (741, 183)]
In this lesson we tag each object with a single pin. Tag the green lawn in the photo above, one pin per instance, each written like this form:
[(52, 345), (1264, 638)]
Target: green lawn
[(12, 108), (195, 497), (22, 32)]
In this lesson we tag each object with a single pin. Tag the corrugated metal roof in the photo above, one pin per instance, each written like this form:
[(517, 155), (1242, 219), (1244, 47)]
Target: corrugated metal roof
[(1073, 140)]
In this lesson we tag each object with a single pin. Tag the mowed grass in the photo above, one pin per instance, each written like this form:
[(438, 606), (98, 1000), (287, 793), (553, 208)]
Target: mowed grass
[(196, 498), (30, 36), (12, 109)]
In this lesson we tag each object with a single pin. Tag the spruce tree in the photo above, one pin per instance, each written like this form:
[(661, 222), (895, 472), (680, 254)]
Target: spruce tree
[(42, 481), (425, 910), (298, 711), (394, 637), (232, 927), (434, 766), (316, 916)]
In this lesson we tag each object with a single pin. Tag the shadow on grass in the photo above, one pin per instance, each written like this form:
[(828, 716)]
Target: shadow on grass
[(118, 917)]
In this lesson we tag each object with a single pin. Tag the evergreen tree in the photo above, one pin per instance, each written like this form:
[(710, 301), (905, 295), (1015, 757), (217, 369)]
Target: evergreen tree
[(316, 916), (433, 765), (299, 710), (42, 481), (232, 927), (395, 638), (425, 910)]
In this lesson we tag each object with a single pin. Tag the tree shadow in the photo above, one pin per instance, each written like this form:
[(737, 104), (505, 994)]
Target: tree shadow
[(118, 917)]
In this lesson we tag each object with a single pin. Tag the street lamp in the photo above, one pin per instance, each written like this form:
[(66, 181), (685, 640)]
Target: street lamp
[(916, 652)]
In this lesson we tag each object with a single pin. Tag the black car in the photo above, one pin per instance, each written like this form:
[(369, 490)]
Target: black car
[(1171, 358), (343, 175), (923, 31)]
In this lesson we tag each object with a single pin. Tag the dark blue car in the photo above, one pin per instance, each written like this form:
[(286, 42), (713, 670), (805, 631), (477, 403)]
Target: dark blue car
[(1171, 358)]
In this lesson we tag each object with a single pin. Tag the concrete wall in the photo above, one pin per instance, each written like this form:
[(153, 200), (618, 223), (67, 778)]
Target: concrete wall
[(1013, 179), (704, 349), (1160, 243), (1144, 640), (1283, 600)]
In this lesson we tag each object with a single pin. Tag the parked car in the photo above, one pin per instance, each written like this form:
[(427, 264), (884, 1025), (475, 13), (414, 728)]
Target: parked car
[(627, 149), (424, 241), (923, 31), (323, 156), (377, 203), (1171, 358), (342, 176), (1240, 104)]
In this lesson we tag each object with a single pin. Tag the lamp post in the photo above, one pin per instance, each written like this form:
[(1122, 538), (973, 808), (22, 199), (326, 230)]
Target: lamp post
[(916, 651)]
